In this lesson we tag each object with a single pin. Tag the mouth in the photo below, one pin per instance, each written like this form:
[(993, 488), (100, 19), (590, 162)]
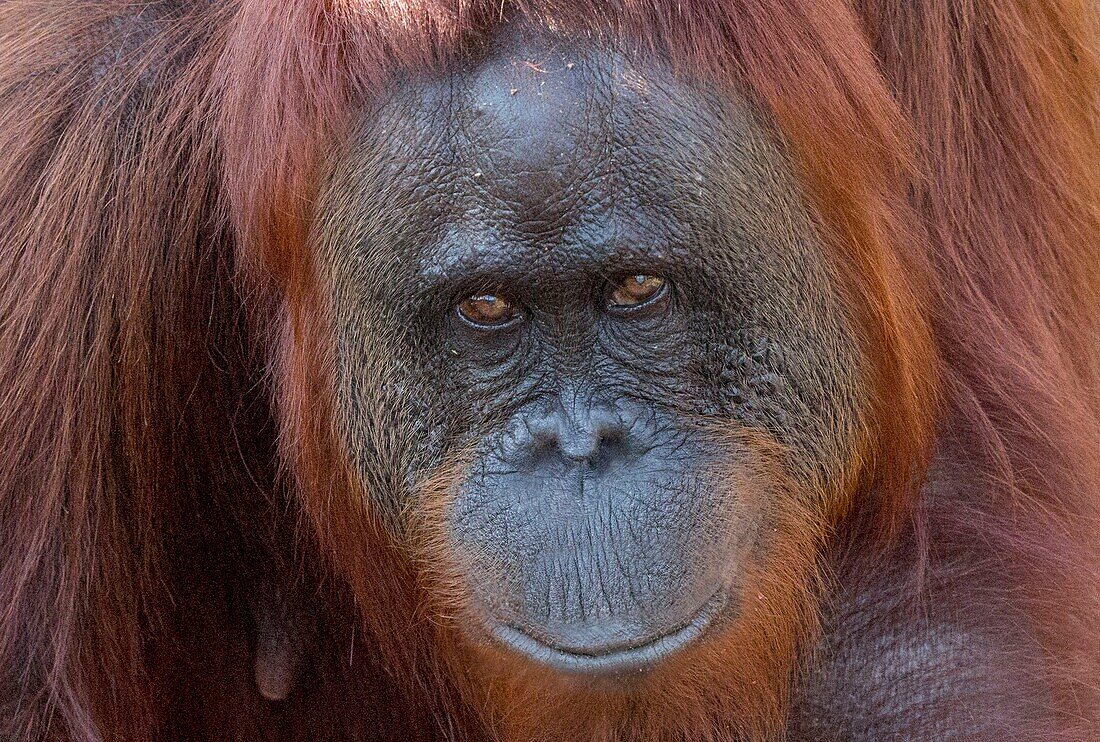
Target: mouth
[(610, 659)]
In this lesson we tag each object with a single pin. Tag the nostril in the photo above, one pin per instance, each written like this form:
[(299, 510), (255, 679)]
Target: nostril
[(592, 444), (590, 437)]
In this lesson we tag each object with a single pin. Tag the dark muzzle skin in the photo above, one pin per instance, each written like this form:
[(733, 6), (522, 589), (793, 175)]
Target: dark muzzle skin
[(583, 526)]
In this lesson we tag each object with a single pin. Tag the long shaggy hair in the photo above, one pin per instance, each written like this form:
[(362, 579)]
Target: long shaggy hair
[(166, 362)]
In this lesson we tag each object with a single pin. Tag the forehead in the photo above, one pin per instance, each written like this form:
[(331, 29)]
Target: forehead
[(553, 149), (540, 136), (550, 125)]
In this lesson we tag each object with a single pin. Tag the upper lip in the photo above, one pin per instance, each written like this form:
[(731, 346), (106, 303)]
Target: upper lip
[(617, 658)]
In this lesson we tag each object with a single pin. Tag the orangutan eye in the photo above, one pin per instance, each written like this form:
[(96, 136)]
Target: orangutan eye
[(637, 290), (488, 311)]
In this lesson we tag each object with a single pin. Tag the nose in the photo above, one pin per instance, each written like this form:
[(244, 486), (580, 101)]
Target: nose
[(580, 432)]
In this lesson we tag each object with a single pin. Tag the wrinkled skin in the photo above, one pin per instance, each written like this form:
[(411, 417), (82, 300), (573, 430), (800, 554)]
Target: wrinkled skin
[(597, 524)]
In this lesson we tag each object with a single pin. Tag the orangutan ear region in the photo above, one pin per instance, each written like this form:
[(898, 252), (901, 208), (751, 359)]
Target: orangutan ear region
[(530, 371)]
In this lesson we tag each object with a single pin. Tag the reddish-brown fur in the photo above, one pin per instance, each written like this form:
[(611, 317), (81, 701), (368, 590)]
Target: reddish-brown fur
[(162, 344)]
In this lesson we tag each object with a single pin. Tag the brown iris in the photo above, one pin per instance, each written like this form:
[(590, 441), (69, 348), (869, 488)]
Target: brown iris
[(488, 310), (636, 290)]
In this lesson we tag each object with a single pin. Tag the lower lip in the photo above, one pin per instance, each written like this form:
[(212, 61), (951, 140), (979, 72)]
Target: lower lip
[(615, 662)]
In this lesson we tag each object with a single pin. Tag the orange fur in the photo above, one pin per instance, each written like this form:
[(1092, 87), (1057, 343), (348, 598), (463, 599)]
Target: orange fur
[(160, 320)]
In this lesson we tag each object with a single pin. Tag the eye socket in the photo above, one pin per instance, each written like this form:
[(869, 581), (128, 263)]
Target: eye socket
[(488, 311), (637, 290)]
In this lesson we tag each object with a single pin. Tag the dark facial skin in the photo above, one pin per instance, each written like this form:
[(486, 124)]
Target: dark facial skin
[(582, 280)]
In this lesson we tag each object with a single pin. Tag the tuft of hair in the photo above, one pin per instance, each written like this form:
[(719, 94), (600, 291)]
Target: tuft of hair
[(1003, 98)]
